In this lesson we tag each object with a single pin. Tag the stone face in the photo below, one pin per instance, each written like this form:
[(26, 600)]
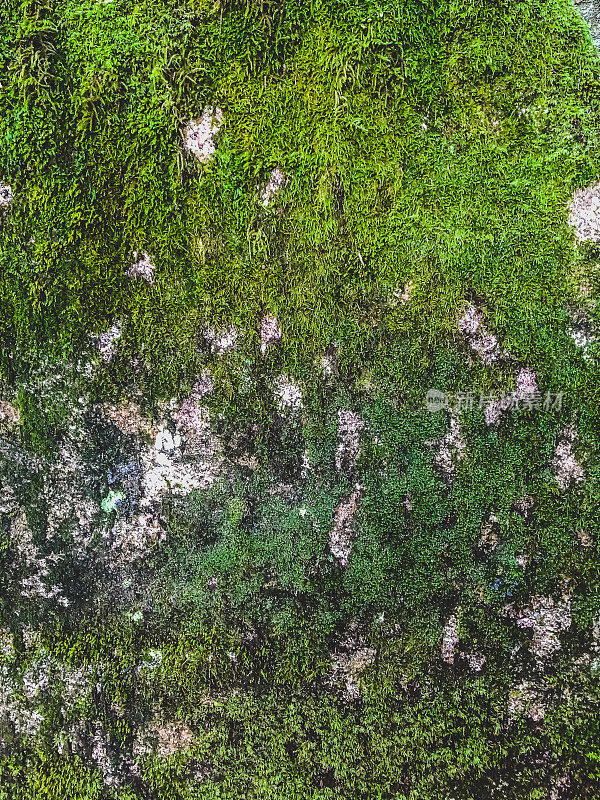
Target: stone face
[(350, 426), (451, 447), (270, 332), (351, 657), (584, 213), (221, 341), (483, 342), (200, 136), (547, 618), (277, 180), (583, 333), (590, 11), (565, 468), (6, 195), (341, 533), (288, 395), (450, 639), (107, 341), (142, 267)]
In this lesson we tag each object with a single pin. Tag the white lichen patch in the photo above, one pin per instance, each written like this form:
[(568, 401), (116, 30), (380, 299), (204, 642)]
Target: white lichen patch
[(584, 213), (350, 426), (488, 540), (200, 136), (6, 195), (582, 333), (34, 569), (350, 659), (450, 639), (342, 530), (547, 619), (221, 341), (565, 468), (327, 366), (10, 415), (270, 332), (128, 418), (476, 661), (142, 267), (107, 341), (163, 738), (481, 340), (452, 447), (528, 699), (288, 395), (402, 295), (276, 182), (526, 391)]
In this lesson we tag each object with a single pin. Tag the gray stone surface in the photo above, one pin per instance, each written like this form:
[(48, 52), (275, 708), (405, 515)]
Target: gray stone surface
[(590, 11)]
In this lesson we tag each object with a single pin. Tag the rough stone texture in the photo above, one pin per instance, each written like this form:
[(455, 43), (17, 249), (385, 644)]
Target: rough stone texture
[(351, 657), (590, 11), (584, 213), (402, 295), (488, 540), (450, 639), (277, 180), (565, 468), (288, 395), (583, 333), (547, 619), (528, 698), (128, 418), (350, 426), (341, 533), (525, 391), (9, 416), (107, 341), (163, 738), (6, 195), (200, 136), (452, 447), (222, 341), (481, 341), (142, 267), (270, 332)]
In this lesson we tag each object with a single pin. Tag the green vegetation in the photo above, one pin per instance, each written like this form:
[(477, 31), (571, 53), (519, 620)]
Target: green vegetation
[(436, 144)]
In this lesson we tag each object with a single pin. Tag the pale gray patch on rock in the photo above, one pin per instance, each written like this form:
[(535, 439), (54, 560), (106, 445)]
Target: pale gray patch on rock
[(222, 341), (476, 661), (590, 11), (163, 738), (276, 182), (583, 333), (341, 533), (270, 332), (288, 395), (528, 698), (565, 468), (142, 267), (526, 389), (584, 213), (351, 657), (547, 619), (452, 447), (108, 339), (200, 136), (481, 341), (450, 639), (350, 426), (6, 195)]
